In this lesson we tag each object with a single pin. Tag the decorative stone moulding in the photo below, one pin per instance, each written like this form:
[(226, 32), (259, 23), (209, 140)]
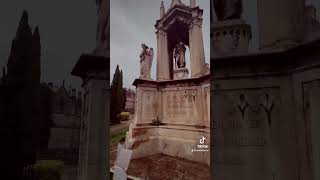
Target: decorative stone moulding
[(231, 37), (180, 73)]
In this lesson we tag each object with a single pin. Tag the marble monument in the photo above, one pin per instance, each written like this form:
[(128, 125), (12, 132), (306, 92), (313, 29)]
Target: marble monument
[(265, 103), (172, 113)]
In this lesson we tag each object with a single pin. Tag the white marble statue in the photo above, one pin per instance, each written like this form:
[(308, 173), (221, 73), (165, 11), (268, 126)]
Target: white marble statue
[(146, 58), (179, 55)]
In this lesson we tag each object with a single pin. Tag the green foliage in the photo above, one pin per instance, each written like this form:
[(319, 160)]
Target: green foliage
[(117, 95), (49, 169), (116, 137)]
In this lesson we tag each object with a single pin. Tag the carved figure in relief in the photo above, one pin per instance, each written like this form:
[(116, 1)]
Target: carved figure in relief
[(179, 55), (146, 58)]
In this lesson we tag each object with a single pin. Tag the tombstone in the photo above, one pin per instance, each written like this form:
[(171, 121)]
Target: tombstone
[(172, 112)]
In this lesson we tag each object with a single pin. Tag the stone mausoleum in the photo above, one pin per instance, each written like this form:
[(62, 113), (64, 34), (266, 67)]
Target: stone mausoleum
[(265, 103), (172, 113)]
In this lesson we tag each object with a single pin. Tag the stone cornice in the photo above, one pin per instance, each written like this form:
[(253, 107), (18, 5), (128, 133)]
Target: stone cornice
[(193, 81), (282, 62)]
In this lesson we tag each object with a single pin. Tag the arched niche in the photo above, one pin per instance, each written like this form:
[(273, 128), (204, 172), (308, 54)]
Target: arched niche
[(177, 32)]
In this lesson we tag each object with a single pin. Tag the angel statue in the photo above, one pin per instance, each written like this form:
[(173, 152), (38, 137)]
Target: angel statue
[(146, 58), (227, 9)]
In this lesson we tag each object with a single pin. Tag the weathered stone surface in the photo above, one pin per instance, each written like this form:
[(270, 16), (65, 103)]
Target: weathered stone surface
[(94, 127), (280, 23), (182, 109), (180, 24), (103, 29), (181, 73), (164, 167), (264, 114), (231, 37)]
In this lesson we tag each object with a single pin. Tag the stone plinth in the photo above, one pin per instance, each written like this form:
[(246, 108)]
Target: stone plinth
[(94, 71), (181, 73), (266, 115), (170, 118), (231, 37)]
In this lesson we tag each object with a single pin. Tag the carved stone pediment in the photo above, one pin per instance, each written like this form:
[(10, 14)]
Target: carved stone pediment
[(182, 13)]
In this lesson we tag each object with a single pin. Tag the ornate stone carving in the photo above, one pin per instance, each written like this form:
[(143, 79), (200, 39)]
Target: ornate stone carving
[(195, 22), (267, 105), (242, 105)]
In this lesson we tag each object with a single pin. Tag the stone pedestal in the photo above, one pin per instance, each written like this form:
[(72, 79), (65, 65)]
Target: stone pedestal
[(231, 37), (93, 151), (181, 73), (170, 118)]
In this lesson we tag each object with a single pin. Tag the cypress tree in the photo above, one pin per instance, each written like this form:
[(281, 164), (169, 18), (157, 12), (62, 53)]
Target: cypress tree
[(116, 95)]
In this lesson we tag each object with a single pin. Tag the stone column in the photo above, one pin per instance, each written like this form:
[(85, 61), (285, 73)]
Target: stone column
[(163, 72), (93, 153), (197, 58), (280, 23)]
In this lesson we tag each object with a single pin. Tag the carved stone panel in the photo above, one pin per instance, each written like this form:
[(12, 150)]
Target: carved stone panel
[(180, 106), (242, 132), (149, 106)]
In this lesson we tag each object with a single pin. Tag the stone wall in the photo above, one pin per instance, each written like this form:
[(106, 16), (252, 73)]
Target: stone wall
[(264, 114)]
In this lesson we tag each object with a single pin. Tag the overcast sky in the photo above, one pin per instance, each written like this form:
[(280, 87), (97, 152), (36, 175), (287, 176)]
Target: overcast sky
[(67, 29), (132, 23)]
